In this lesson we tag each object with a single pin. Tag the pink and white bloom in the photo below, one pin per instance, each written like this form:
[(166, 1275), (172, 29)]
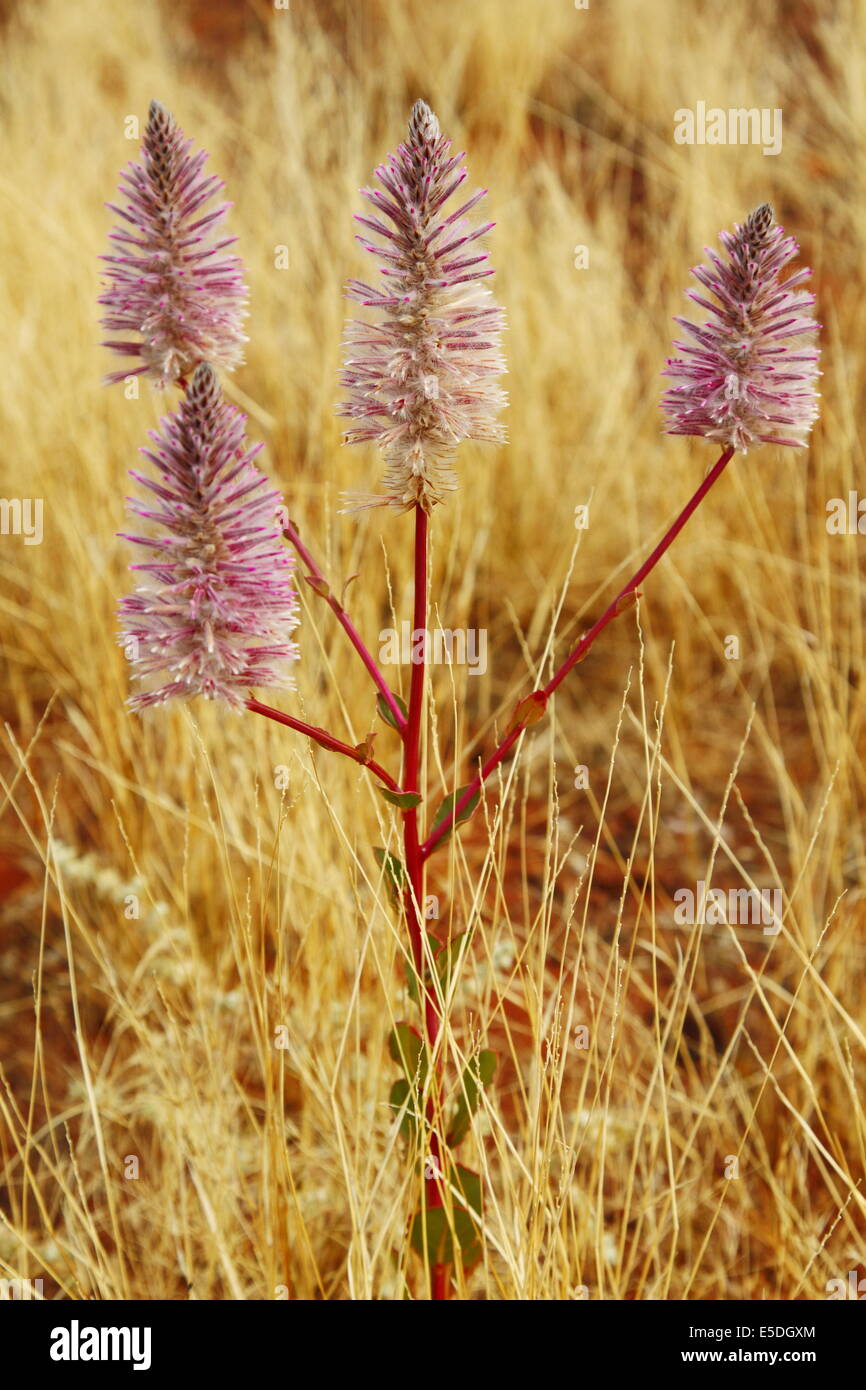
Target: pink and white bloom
[(217, 607), (169, 285), (748, 377), (422, 377)]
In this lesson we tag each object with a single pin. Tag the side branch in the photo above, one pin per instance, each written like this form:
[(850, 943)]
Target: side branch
[(533, 707), (358, 754), (317, 580)]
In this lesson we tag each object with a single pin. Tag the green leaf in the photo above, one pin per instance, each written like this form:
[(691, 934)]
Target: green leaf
[(365, 749), (406, 1046), (478, 1074), (447, 958), (351, 578), (528, 711), (412, 983), (400, 1093), (395, 876), (387, 713), (405, 800), (318, 585), (446, 811), (432, 1229)]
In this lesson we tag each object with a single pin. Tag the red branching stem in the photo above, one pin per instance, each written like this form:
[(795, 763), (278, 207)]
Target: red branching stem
[(579, 652), (325, 740), (412, 745), (413, 898), (291, 532), (441, 1282)]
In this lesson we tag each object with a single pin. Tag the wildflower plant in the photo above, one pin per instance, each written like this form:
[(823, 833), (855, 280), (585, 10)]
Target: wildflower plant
[(215, 608), (748, 376), (169, 283), (422, 378)]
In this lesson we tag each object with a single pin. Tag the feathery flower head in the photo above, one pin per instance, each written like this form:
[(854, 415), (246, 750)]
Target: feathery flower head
[(423, 377), (749, 377), (169, 284), (218, 605)]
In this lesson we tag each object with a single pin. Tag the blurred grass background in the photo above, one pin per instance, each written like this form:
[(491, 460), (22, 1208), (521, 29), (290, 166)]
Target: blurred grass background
[(168, 908)]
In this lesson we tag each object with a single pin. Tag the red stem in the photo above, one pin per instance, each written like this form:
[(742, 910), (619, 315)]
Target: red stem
[(324, 740), (413, 897), (441, 1283), (291, 531), (580, 651)]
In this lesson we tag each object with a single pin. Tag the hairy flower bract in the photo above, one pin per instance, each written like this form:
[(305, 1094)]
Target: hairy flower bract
[(214, 615), (422, 378), (169, 284), (748, 377)]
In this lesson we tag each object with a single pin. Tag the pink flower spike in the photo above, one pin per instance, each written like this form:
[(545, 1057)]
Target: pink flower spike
[(217, 607), (746, 379), (169, 286), (422, 378)]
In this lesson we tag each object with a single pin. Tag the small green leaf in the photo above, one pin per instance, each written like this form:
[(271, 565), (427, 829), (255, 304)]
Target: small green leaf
[(318, 585), (387, 713), (345, 587), (446, 959), (412, 985), (395, 876), (478, 1074), (400, 1093), (365, 749), (446, 811), (528, 711), (405, 800), (627, 600), (406, 1046), (432, 1228)]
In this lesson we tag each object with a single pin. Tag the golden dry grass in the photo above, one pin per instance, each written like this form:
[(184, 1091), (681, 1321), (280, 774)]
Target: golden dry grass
[(263, 1169)]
